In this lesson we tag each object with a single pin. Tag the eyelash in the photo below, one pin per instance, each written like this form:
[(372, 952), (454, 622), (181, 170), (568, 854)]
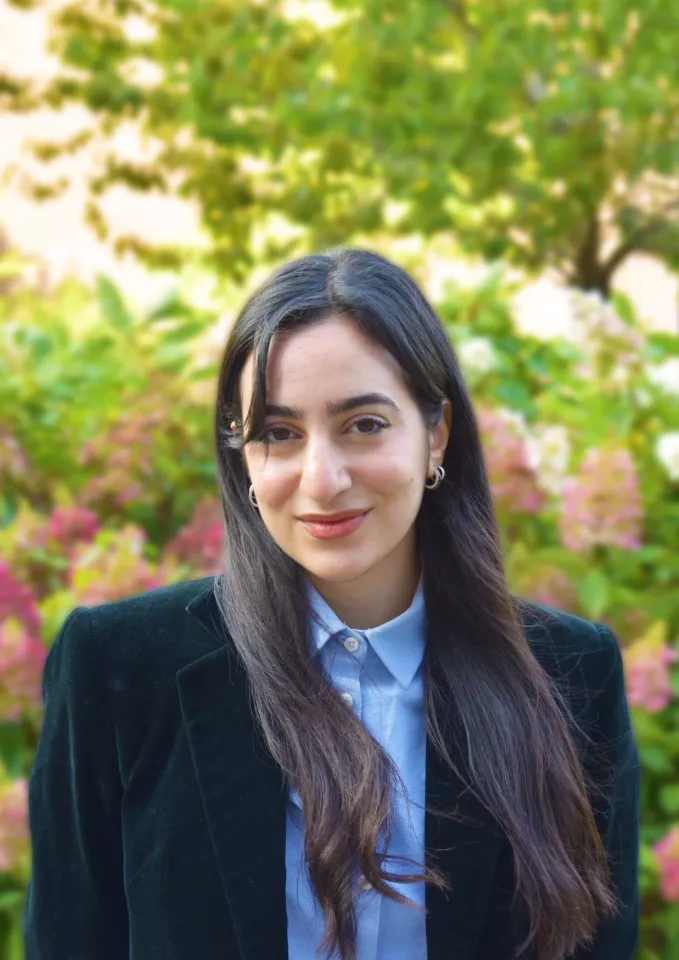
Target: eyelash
[(383, 425)]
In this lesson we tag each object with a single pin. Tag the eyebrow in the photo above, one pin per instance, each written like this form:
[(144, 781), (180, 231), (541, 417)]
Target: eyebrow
[(333, 407)]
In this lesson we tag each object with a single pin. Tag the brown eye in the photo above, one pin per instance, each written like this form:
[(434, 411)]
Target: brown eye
[(373, 422), (268, 434)]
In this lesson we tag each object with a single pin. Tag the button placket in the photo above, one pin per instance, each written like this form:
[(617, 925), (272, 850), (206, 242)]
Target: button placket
[(353, 655)]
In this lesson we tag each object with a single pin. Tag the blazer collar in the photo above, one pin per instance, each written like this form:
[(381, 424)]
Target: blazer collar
[(244, 797)]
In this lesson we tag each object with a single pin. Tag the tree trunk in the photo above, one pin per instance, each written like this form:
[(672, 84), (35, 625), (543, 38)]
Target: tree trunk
[(588, 272)]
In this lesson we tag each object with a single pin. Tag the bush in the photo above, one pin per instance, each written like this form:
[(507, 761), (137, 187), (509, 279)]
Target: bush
[(108, 489)]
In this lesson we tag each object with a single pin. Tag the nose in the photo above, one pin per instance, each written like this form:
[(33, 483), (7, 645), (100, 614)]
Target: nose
[(324, 472)]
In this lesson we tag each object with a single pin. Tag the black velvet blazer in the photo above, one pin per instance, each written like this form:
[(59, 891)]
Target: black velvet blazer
[(157, 815)]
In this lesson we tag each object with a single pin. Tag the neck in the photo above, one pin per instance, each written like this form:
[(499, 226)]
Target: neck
[(380, 594)]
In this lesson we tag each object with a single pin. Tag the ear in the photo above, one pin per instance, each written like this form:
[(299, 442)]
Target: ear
[(441, 433)]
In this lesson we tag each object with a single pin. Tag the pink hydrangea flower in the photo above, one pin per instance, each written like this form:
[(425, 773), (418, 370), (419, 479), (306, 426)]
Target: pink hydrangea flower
[(14, 831), (13, 461), (113, 567), (512, 478), (200, 543), (22, 659), (37, 546), (667, 855), (17, 600), (602, 504), (550, 586), (22, 653), (71, 524), (123, 457), (647, 670)]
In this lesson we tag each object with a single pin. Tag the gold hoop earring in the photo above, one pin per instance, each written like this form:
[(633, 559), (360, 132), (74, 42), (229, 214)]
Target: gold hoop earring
[(440, 474), (253, 498)]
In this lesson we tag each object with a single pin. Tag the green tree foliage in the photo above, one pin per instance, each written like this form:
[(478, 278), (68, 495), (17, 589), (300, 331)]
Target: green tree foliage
[(541, 133)]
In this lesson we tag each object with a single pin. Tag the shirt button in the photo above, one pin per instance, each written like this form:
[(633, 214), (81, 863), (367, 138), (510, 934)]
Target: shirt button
[(351, 644), (348, 699)]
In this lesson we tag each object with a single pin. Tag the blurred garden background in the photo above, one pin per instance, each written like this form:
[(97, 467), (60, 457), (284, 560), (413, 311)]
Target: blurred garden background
[(520, 158)]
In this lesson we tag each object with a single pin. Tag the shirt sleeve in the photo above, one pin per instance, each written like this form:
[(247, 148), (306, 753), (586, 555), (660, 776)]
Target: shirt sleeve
[(617, 811), (75, 906)]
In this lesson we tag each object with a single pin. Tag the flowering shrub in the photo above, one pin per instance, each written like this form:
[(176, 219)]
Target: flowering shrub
[(107, 488), (583, 454), (647, 662), (513, 477), (15, 850), (602, 503), (22, 655), (667, 854), (199, 544)]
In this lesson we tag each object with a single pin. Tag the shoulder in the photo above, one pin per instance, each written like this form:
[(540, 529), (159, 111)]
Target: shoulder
[(140, 639), (584, 663), (153, 607), (570, 647)]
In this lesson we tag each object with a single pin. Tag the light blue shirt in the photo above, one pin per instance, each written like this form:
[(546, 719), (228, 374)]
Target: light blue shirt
[(380, 673)]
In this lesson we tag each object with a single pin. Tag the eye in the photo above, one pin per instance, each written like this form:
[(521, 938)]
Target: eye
[(375, 422)]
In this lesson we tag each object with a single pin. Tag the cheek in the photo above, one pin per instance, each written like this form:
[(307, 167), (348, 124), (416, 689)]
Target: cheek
[(276, 484), (394, 473)]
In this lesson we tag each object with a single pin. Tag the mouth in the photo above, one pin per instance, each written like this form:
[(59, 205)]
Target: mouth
[(331, 517), (328, 529)]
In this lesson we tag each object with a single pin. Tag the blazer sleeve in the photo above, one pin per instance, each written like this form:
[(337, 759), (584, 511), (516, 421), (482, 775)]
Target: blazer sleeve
[(618, 811), (75, 907)]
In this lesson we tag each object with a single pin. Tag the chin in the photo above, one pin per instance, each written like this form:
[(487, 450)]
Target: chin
[(338, 569)]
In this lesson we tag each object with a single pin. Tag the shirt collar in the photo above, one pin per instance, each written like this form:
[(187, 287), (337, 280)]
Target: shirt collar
[(399, 643)]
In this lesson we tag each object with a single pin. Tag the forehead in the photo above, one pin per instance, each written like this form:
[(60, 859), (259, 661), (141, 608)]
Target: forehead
[(323, 357)]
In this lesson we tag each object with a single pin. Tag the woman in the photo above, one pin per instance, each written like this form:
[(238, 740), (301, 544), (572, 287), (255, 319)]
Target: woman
[(355, 740)]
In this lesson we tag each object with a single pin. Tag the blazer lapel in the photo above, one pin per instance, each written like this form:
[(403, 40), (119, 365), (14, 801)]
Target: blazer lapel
[(242, 789), (244, 797)]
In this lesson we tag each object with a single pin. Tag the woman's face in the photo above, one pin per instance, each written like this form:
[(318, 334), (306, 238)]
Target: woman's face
[(371, 457)]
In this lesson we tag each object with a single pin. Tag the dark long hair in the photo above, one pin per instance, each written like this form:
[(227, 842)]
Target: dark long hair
[(523, 762)]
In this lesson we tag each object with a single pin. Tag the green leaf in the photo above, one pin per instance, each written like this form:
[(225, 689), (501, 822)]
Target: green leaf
[(170, 306), (12, 748), (651, 553), (11, 898), (669, 798), (623, 307), (655, 758), (184, 331), (204, 373), (173, 356), (647, 860), (112, 304), (594, 593), (515, 394)]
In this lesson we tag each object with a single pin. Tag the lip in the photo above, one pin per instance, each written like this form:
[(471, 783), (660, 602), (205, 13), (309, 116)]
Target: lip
[(335, 529), (331, 517)]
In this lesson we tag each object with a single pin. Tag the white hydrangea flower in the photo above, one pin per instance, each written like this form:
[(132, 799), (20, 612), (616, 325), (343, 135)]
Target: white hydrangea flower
[(665, 375), (477, 356), (597, 327), (542, 309), (516, 419), (620, 375), (549, 452), (643, 397), (667, 452)]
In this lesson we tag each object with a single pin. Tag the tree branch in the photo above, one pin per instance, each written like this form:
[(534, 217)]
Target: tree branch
[(635, 242)]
